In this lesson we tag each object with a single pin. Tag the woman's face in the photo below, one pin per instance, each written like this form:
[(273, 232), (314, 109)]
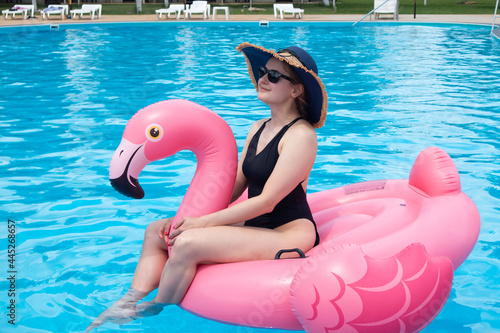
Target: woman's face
[(279, 92)]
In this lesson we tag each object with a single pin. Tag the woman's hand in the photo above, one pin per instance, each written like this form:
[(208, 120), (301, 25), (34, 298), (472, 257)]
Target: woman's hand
[(184, 224), (164, 230)]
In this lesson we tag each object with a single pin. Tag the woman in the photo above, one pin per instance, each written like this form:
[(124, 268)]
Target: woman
[(277, 158)]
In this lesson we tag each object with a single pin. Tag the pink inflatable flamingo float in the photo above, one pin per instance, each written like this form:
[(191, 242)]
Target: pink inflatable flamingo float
[(388, 248)]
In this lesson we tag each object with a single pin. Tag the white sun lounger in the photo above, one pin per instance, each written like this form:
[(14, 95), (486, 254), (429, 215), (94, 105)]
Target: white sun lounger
[(198, 7), (286, 8), (55, 9), (19, 9), (177, 9), (87, 9), (390, 7)]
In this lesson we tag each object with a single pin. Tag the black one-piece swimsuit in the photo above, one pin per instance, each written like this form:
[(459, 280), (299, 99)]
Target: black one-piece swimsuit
[(257, 168)]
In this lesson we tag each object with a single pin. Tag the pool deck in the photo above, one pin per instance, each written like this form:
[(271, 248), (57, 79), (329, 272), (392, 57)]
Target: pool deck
[(468, 19)]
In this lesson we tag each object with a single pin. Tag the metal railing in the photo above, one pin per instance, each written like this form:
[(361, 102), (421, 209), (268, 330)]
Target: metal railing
[(494, 17), (374, 9)]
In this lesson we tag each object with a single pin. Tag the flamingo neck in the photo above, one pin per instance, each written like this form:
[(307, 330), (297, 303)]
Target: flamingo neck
[(211, 187), (213, 183)]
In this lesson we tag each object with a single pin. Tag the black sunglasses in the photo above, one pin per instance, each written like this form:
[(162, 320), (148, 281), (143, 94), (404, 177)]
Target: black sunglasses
[(272, 75)]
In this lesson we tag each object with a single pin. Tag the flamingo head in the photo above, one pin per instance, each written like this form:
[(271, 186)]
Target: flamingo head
[(153, 133)]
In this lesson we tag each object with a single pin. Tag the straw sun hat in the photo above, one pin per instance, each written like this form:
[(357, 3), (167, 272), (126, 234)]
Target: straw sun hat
[(303, 64)]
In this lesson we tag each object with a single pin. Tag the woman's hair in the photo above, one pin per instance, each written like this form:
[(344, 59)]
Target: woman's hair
[(300, 101)]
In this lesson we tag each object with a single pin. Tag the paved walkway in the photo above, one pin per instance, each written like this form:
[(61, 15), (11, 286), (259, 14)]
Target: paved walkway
[(474, 19)]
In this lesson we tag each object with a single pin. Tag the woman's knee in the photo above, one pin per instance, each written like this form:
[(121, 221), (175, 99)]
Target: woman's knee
[(187, 246), (152, 238), (152, 230)]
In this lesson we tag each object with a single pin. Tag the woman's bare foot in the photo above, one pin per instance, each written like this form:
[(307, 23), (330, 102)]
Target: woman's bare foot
[(148, 309), (122, 311)]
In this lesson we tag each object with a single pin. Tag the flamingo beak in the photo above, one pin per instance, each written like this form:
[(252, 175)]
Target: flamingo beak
[(126, 164)]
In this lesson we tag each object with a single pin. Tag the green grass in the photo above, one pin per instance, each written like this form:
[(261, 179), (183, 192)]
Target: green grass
[(441, 7)]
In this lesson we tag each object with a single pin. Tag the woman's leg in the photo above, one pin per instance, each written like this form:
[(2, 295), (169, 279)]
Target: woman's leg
[(226, 244), (146, 278), (153, 257)]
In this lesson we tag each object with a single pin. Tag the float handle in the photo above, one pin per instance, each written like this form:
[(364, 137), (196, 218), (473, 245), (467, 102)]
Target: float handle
[(280, 252)]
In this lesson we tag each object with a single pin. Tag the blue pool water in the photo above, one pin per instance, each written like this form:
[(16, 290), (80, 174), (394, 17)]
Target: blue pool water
[(66, 95)]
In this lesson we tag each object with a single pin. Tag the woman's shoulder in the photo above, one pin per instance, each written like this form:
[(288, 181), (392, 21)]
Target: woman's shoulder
[(302, 127), (260, 122), (302, 132), (256, 125), (301, 137)]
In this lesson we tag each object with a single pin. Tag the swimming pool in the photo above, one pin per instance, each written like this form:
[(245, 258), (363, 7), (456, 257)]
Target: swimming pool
[(67, 93)]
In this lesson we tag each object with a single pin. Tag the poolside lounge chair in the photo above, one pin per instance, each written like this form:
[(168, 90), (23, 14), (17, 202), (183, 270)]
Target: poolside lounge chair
[(87, 9), (19, 9), (198, 7), (171, 10), (390, 7), (55, 9), (287, 8)]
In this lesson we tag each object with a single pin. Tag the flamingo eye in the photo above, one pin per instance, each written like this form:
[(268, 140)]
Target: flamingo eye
[(154, 132)]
